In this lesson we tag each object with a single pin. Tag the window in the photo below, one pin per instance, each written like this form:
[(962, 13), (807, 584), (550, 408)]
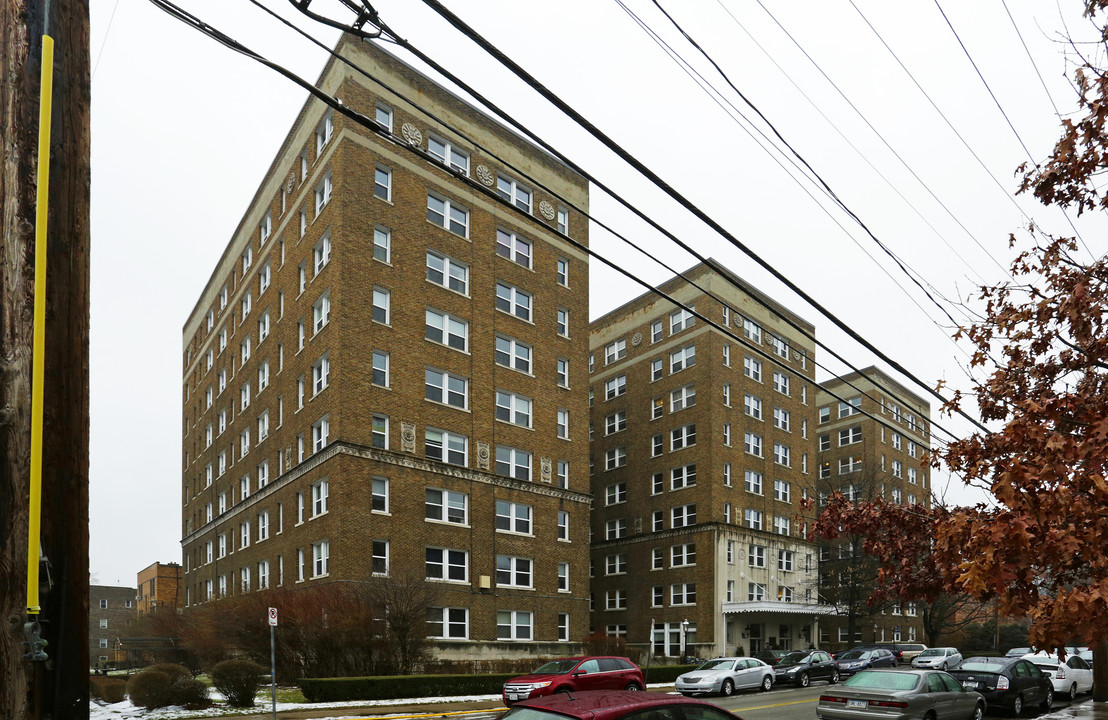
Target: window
[(615, 387), (513, 625), (513, 354), (563, 272), (562, 424), (263, 426), (615, 600), (614, 458), (384, 117), (448, 623), (379, 431), (780, 346), (782, 490), (616, 422), (752, 331), (320, 432), (897, 441), (781, 419), (657, 408), (446, 153), (752, 443), (380, 368), (320, 494), (680, 319), (446, 447), (382, 244), (682, 555), (322, 252), (782, 525), (379, 562), (682, 594), (824, 442), (562, 369), (615, 565), (682, 515), (263, 327), (656, 369), (782, 454), (655, 331), (513, 408), (682, 397), (756, 592), (682, 437), (615, 350), (321, 373), (321, 555), (513, 192), (513, 517), (615, 494), (752, 368), (753, 519), (244, 442), (563, 322), (681, 359), (323, 132), (615, 529), (853, 407), (513, 462), (682, 477), (447, 388), (244, 350), (382, 183), (380, 494), (513, 301), (447, 330), (563, 222), (512, 246), (849, 436), (563, 525), (752, 406), (753, 482), (781, 383), (447, 272), (323, 193), (757, 556), (446, 506), (446, 564), (446, 214), (381, 300), (898, 469), (513, 571), (657, 446), (321, 311)]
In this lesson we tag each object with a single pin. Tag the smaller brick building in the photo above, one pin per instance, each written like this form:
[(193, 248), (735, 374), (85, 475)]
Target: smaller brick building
[(110, 609), (159, 588)]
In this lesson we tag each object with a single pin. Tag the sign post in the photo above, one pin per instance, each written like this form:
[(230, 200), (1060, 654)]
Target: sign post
[(273, 657)]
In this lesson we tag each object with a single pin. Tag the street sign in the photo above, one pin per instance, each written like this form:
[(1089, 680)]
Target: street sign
[(273, 617)]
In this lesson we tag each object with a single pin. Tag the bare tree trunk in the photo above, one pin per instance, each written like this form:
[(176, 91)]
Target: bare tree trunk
[(1100, 671), (57, 688)]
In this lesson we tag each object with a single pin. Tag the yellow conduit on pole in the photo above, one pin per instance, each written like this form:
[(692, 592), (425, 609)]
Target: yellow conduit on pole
[(46, 92)]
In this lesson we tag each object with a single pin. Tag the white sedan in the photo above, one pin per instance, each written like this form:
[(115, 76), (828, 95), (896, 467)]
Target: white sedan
[(726, 675), (1069, 678)]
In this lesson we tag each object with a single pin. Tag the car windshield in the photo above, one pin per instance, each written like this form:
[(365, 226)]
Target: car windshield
[(982, 666), (854, 655), (1019, 651), (932, 652), (717, 665), (794, 658), (556, 667), (883, 680)]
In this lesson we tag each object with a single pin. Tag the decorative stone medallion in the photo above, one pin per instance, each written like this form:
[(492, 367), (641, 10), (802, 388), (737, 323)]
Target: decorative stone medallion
[(636, 339), (546, 469), (547, 210), (411, 133), (291, 185), (407, 437), (482, 455), (484, 175)]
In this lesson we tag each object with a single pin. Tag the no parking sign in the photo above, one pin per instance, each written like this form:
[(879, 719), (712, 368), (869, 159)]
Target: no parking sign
[(273, 617)]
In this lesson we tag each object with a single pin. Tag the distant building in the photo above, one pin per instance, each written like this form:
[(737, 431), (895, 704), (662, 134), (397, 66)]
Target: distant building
[(703, 449), (110, 610), (160, 588), (866, 459), (384, 376)]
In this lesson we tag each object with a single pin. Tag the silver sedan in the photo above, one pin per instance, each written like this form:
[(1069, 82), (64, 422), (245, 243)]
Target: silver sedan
[(726, 675), (899, 695)]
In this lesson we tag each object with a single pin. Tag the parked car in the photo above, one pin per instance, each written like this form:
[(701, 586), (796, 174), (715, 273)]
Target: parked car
[(803, 666), (1019, 651), (575, 674), (899, 695), (853, 661), (726, 675), (1070, 677), (1012, 683), (616, 706), (1087, 656), (771, 657), (942, 658), (904, 652)]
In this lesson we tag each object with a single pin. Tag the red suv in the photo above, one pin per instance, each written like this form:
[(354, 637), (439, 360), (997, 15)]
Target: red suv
[(573, 674)]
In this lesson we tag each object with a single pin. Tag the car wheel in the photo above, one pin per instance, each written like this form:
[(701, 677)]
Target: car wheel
[(562, 691), (930, 715), (687, 694), (945, 667), (728, 688), (834, 676), (803, 680), (1048, 700), (633, 686), (1017, 705), (1073, 692), (767, 683), (978, 712)]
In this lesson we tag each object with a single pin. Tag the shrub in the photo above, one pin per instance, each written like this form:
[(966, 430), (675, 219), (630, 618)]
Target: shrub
[(150, 689), (400, 686), (175, 672), (108, 689), (665, 673), (190, 693), (238, 680)]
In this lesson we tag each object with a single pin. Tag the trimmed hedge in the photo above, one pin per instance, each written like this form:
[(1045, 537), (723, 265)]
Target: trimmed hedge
[(109, 689), (387, 687)]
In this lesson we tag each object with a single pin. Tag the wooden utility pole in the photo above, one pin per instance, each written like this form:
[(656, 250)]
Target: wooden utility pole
[(57, 687)]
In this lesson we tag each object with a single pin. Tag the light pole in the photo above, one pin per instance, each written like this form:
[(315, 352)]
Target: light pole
[(684, 635)]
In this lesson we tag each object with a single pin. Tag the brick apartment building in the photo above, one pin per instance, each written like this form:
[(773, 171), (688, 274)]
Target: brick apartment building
[(159, 588), (866, 459), (384, 375), (110, 610), (703, 448)]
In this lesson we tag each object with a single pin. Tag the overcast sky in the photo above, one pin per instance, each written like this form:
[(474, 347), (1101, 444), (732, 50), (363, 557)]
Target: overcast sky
[(183, 130)]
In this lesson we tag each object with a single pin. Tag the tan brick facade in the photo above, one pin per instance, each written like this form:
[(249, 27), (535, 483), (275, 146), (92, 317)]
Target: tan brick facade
[(160, 588), (363, 323), (867, 458), (721, 562)]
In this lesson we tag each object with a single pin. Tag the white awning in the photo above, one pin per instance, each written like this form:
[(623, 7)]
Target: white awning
[(784, 608)]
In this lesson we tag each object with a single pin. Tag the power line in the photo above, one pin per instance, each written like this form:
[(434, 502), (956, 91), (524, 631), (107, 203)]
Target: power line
[(1032, 59)]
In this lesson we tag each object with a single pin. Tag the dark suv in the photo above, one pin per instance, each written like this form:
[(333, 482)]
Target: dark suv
[(802, 667), (573, 674)]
